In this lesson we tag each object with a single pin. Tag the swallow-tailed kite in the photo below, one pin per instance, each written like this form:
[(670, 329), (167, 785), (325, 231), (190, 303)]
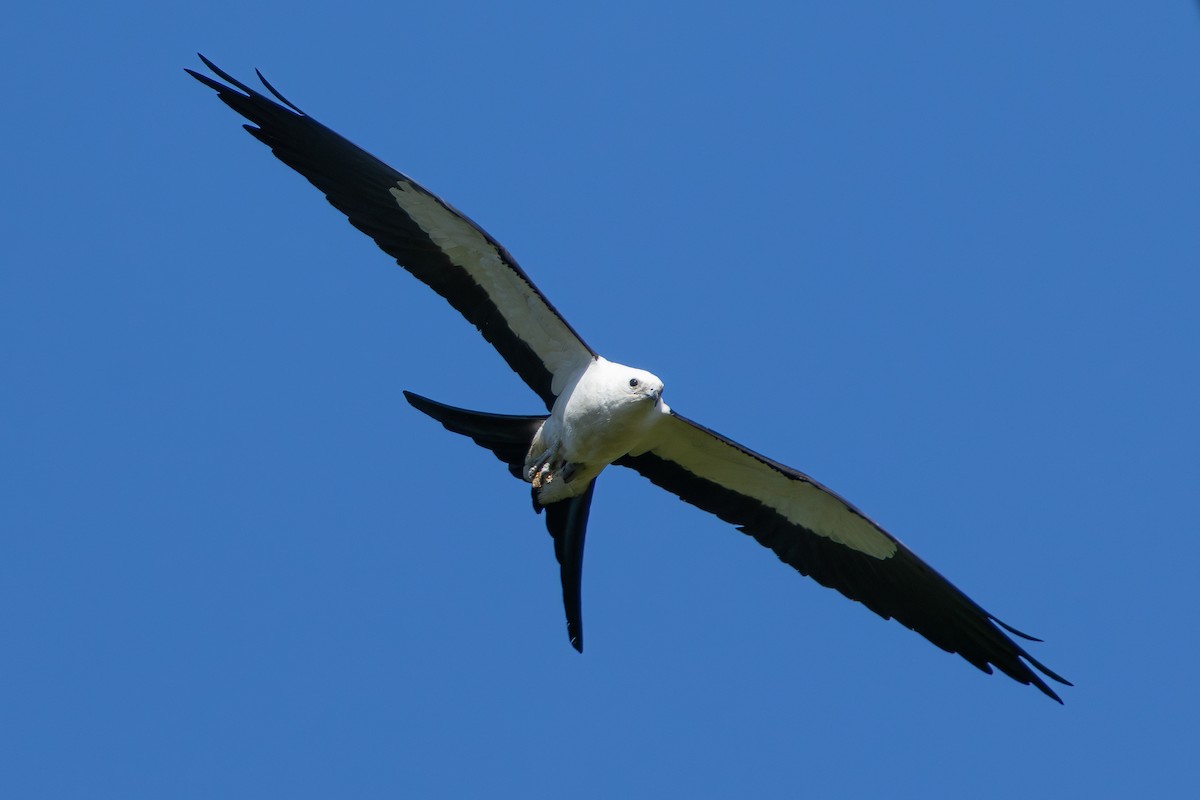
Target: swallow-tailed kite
[(603, 413)]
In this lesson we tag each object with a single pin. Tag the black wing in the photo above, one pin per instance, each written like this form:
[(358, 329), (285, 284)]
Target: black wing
[(821, 535), (427, 236)]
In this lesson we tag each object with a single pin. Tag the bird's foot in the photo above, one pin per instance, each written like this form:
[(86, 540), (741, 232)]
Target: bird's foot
[(542, 476)]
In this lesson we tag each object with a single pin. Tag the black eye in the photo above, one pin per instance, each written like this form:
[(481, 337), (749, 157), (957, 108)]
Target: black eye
[(633, 382)]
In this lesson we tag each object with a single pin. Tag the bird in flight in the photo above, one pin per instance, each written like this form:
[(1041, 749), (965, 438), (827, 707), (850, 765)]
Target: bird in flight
[(602, 412)]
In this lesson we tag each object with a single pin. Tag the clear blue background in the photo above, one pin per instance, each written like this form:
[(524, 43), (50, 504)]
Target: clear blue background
[(940, 255)]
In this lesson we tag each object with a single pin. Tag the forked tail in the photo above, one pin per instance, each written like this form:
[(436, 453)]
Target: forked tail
[(509, 437)]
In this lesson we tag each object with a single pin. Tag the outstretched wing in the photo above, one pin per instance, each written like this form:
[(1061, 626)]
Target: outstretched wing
[(427, 236), (821, 535)]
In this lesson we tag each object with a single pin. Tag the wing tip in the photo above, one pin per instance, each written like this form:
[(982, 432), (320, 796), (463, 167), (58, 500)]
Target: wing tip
[(233, 83), (1032, 664)]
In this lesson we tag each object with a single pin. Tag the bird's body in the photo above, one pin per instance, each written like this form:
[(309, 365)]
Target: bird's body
[(609, 410), (602, 412)]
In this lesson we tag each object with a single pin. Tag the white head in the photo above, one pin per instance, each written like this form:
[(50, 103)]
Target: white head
[(607, 412), (620, 389), (607, 390), (641, 384)]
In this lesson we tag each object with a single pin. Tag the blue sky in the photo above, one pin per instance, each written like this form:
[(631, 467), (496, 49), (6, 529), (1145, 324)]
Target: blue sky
[(941, 256)]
